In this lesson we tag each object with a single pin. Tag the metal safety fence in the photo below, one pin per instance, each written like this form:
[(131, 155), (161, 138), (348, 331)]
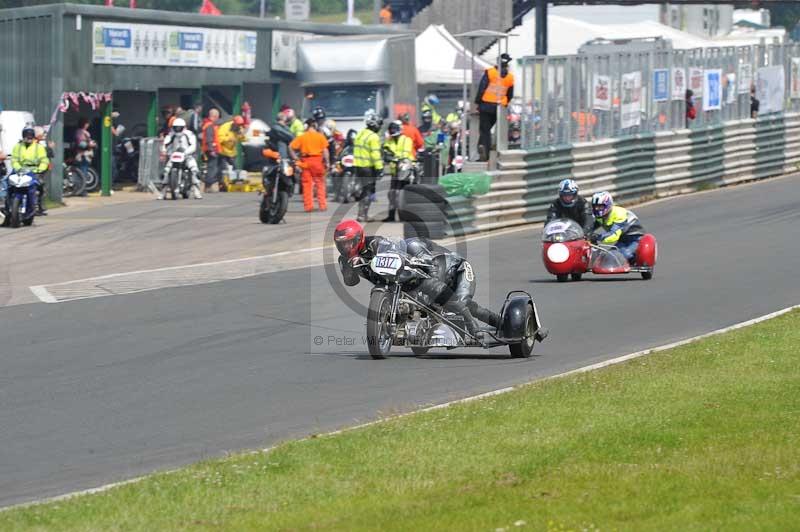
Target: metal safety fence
[(634, 168), (149, 163), (594, 96)]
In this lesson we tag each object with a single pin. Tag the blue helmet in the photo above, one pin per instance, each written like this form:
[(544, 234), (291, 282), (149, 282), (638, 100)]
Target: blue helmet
[(432, 99), (568, 192)]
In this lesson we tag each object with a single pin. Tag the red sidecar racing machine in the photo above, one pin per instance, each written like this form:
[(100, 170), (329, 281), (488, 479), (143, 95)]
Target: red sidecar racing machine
[(567, 253)]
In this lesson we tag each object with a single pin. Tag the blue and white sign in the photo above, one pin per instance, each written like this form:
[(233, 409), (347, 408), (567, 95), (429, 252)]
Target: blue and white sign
[(190, 41), (157, 45), (660, 85), (712, 90), (117, 37)]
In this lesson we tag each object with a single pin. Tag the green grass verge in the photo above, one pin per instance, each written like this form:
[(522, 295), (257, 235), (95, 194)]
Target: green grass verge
[(703, 437)]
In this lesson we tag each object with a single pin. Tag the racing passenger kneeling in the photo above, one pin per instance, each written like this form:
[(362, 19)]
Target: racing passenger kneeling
[(452, 282), (571, 205), (615, 225)]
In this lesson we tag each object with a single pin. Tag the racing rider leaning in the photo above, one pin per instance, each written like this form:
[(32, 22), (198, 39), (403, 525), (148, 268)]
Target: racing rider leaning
[(452, 282), (571, 205), (616, 226)]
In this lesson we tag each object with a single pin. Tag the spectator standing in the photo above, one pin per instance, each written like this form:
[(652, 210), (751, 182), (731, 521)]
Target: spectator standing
[(194, 118), (411, 131), (281, 135), (312, 147), (385, 14), (229, 135), (496, 88), (294, 123), (83, 143), (691, 110), (754, 103), (209, 146)]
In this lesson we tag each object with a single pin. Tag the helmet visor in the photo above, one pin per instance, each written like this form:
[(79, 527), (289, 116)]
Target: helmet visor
[(567, 197), (348, 245)]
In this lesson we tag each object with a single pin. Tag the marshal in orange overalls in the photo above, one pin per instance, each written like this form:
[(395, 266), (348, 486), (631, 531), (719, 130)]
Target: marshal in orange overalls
[(311, 145)]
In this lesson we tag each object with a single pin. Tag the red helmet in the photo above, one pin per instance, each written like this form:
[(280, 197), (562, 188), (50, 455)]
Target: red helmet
[(238, 120), (349, 238)]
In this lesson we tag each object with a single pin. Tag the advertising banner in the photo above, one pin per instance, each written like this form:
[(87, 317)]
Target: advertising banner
[(745, 78), (660, 85), (696, 81), (155, 45), (601, 89), (678, 83), (794, 78), (770, 89), (631, 99), (712, 90), (284, 49)]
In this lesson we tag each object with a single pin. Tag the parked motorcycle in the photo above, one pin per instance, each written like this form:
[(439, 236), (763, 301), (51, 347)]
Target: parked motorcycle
[(400, 315), (345, 184), (278, 181), (74, 182), (20, 202), (126, 159)]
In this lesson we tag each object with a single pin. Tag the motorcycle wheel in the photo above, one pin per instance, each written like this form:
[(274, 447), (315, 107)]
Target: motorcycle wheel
[(13, 212), (562, 277), (647, 275), (419, 350), (173, 183), (577, 276), (524, 349), (273, 212), (379, 341), (74, 182), (185, 189), (92, 182)]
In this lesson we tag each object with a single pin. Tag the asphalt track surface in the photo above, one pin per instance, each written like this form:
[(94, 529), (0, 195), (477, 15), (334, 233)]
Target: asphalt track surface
[(101, 390)]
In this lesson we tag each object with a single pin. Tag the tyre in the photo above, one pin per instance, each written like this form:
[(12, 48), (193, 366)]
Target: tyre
[(74, 182), (562, 277), (425, 194), (647, 275), (173, 183), (431, 230), (419, 350), (92, 180), (576, 276), (421, 212), (524, 349), (273, 212), (13, 212), (379, 340)]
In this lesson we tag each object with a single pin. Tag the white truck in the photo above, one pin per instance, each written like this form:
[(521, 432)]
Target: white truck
[(347, 76)]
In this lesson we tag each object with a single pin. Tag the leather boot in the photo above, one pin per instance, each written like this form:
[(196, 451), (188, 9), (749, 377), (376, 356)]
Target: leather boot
[(390, 217)]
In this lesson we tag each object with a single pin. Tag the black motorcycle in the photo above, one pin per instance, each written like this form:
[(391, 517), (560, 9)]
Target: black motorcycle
[(345, 184), (126, 159), (179, 179), (277, 178), (399, 315)]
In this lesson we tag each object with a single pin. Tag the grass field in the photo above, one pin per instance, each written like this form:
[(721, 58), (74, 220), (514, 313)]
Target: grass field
[(702, 437)]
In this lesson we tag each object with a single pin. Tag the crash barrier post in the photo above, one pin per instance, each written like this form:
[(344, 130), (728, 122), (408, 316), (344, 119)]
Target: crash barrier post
[(149, 164), (636, 168), (431, 169)]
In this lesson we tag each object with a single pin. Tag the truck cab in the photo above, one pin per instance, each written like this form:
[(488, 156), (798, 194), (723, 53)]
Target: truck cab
[(348, 76)]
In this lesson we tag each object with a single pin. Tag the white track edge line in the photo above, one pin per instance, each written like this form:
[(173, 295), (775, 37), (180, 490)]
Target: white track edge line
[(43, 295), (501, 391)]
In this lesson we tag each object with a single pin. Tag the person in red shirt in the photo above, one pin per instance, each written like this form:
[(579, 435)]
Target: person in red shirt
[(314, 160), (411, 131)]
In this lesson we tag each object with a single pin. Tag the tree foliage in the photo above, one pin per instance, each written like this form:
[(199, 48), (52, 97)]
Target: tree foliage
[(786, 15)]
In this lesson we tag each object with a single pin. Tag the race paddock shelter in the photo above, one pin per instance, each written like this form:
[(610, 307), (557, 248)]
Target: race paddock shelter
[(138, 62)]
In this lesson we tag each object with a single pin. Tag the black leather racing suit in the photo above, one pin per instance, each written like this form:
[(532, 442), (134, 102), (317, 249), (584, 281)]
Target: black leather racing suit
[(452, 282), (580, 212)]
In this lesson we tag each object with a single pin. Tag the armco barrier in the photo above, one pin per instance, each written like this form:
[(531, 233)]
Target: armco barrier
[(640, 167)]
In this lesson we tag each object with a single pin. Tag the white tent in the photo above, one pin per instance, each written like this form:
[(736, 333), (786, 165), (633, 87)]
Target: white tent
[(567, 35), (441, 59)]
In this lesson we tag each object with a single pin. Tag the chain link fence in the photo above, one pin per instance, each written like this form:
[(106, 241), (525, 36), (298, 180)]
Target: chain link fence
[(591, 96)]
